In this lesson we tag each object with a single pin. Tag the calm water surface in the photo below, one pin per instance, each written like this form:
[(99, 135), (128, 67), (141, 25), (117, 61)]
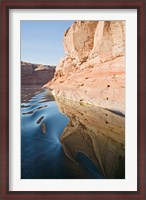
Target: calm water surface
[(42, 155)]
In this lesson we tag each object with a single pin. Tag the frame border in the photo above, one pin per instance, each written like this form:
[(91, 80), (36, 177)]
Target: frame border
[(5, 5)]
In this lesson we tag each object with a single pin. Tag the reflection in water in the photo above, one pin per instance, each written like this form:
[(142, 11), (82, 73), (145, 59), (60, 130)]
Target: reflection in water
[(97, 134), (90, 147), (42, 155), (32, 94)]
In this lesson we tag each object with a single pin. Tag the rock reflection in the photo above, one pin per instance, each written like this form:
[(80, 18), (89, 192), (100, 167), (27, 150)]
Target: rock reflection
[(96, 133), (32, 93)]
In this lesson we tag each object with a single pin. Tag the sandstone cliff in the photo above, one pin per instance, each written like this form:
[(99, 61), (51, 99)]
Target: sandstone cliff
[(36, 74), (93, 70)]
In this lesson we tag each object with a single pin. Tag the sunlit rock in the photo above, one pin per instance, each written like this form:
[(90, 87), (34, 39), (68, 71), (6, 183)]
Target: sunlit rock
[(94, 68)]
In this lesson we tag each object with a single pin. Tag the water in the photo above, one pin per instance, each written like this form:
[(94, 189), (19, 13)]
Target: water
[(42, 154)]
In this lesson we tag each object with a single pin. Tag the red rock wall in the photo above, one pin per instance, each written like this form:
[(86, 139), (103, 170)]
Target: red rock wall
[(93, 70)]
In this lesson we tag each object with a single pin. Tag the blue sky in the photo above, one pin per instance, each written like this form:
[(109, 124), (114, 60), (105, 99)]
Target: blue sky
[(42, 41)]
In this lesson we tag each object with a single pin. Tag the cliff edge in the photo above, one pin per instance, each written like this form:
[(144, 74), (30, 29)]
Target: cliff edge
[(93, 70)]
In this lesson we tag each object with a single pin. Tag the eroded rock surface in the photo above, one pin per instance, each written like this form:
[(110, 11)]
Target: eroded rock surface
[(36, 74), (94, 68)]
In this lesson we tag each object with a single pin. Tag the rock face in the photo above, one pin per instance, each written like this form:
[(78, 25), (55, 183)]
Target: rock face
[(94, 68), (78, 40), (35, 74)]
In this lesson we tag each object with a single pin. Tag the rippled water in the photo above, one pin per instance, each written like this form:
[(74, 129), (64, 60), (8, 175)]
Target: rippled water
[(42, 155)]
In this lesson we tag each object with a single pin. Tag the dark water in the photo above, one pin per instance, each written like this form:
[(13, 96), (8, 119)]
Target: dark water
[(42, 155)]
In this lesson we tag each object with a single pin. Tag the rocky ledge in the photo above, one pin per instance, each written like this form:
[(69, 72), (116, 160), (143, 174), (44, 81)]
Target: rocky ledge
[(93, 70), (36, 74)]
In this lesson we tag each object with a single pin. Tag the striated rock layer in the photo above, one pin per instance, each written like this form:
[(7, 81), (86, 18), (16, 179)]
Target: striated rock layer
[(36, 74), (93, 70)]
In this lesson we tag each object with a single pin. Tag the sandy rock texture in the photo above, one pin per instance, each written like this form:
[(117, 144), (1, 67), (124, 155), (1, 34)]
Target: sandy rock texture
[(93, 70), (36, 74)]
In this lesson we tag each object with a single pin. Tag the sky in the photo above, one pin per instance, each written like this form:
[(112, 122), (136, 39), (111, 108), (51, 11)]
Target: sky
[(42, 41)]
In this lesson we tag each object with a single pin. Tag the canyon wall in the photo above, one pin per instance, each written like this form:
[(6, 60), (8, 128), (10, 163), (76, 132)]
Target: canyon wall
[(93, 70), (36, 74)]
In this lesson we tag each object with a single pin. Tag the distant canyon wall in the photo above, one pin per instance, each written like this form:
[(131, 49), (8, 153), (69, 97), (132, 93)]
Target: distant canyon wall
[(93, 70), (36, 74)]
